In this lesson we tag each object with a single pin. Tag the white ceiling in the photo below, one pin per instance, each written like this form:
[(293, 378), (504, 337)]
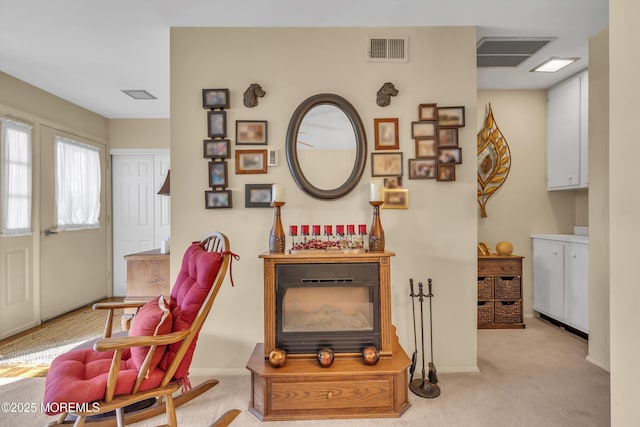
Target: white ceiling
[(87, 51)]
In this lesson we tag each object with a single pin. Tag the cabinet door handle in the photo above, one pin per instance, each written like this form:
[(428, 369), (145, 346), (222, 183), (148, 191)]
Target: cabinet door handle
[(555, 252)]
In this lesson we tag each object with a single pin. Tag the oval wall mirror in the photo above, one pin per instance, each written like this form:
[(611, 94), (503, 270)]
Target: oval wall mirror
[(326, 146)]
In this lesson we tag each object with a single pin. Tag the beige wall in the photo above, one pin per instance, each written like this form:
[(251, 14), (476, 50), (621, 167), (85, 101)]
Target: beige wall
[(624, 210), (139, 133), (436, 237), (523, 206)]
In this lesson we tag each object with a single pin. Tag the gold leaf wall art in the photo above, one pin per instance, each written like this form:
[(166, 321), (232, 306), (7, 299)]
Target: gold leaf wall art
[(494, 160)]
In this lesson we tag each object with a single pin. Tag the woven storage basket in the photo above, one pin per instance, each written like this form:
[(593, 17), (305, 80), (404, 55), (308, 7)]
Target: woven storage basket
[(485, 313), (485, 288), (508, 312), (507, 288)]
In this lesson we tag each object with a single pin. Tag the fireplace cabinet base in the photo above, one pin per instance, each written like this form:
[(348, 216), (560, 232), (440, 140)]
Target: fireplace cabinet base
[(302, 390)]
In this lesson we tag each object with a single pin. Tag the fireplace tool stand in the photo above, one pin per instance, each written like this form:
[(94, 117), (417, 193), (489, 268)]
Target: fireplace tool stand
[(425, 387)]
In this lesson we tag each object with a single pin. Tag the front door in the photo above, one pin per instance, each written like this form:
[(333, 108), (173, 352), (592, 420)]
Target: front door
[(74, 266)]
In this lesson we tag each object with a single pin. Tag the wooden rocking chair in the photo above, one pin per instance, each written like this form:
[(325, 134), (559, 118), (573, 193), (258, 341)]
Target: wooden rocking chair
[(153, 361)]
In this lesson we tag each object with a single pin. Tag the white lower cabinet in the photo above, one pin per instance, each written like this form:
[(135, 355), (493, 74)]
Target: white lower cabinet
[(560, 278)]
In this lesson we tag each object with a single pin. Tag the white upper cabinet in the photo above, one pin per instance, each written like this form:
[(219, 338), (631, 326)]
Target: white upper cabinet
[(567, 134)]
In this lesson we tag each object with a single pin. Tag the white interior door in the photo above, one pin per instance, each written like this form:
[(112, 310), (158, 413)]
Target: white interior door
[(74, 268), (141, 217)]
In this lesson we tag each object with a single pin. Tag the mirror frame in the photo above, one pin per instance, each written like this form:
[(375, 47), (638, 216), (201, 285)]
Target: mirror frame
[(292, 150)]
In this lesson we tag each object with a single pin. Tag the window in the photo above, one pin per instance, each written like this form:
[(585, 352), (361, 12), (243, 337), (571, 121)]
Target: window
[(77, 185), (15, 178)]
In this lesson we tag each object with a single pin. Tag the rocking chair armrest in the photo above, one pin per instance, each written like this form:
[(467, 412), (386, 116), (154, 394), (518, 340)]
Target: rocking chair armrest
[(120, 343), (119, 304)]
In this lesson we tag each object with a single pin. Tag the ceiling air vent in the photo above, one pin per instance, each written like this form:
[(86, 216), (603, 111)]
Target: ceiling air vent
[(508, 51), (387, 49)]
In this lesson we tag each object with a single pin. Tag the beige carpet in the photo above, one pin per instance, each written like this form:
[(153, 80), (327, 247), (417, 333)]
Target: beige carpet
[(533, 377)]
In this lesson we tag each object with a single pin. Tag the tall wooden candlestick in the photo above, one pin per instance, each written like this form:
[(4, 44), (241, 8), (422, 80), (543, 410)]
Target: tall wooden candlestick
[(376, 235), (276, 237)]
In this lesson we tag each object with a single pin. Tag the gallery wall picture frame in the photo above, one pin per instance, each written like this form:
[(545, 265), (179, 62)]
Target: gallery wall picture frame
[(424, 129), (218, 199), (426, 147), (450, 155), (428, 112), (386, 134), (392, 181), (218, 176), (217, 123), (451, 116), (446, 172), (423, 168), (216, 148), (386, 164), (447, 137), (273, 157), (215, 98), (251, 132), (397, 198), (257, 195), (251, 161)]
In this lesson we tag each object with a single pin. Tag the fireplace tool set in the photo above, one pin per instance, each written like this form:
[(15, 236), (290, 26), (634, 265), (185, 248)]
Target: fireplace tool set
[(425, 386)]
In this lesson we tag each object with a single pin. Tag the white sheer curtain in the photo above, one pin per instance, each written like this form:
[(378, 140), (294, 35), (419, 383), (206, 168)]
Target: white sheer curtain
[(15, 188), (77, 185)]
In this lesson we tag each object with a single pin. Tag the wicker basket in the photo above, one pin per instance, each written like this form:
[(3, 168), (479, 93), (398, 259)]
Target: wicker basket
[(485, 313), (485, 288), (508, 312), (507, 288)]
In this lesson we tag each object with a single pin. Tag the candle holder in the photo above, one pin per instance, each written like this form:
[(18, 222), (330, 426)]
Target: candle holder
[(276, 237), (376, 235)]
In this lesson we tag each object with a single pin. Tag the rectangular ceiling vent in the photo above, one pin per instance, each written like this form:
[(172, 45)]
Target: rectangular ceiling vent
[(508, 51), (387, 49)]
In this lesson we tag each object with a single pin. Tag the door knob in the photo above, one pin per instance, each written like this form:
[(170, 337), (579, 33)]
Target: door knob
[(48, 232)]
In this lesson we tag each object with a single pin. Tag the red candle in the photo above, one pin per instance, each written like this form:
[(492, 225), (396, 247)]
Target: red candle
[(293, 230), (340, 230), (305, 230), (316, 230), (328, 230), (362, 229), (351, 229)]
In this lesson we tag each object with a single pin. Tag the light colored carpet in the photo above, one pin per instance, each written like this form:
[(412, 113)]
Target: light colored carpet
[(533, 377)]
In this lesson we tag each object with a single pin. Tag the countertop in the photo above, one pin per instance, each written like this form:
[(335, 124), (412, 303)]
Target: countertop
[(571, 238)]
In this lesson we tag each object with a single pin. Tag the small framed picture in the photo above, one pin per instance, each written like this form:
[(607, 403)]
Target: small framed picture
[(273, 158), (447, 137), (450, 155), (386, 131), (215, 98), (386, 164), (426, 147), (392, 182), (423, 129), (428, 112), (217, 124), (257, 195), (423, 168), (217, 199), (446, 172), (451, 116), (251, 132), (218, 174), (395, 199), (216, 148), (251, 161)]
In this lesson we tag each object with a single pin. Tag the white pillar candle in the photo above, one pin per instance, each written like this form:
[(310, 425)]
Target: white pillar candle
[(277, 193), (376, 192)]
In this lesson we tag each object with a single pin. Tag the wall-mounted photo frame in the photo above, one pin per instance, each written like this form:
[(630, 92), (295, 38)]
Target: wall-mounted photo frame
[(386, 164), (218, 174), (217, 199), (251, 132), (392, 182), (273, 158), (423, 168), (217, 124), (451, 116), (386, 133), (251, 161), (395, 198), (424, 129), (216, 148), (257, 195), (450, 155), (447, 137), (215, 98), (426, 147), (446, 172), (428, 112)]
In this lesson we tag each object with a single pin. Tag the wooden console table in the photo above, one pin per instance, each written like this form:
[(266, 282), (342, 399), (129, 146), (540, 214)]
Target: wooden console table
[(147, 277)]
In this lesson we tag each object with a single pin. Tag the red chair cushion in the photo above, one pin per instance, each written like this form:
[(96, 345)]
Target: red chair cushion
[(154, 318)]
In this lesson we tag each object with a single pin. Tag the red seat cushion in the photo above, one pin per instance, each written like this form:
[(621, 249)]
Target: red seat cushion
[(154, 318)]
